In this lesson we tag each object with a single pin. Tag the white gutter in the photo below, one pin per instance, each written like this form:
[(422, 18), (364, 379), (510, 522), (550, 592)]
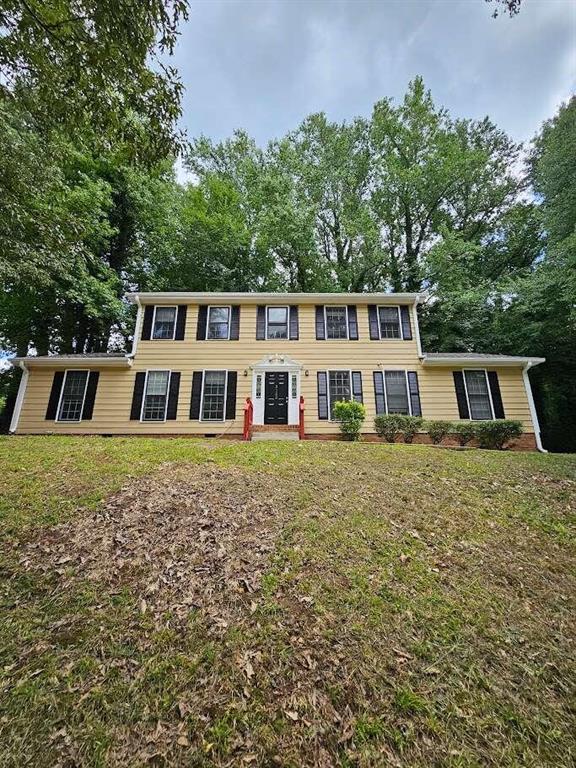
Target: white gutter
[(485, 360), (58, 361), (174, 297), (138, 325), (531, 405), (19, 397)]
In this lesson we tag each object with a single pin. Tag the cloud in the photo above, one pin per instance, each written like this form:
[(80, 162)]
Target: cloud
[(264, 66)]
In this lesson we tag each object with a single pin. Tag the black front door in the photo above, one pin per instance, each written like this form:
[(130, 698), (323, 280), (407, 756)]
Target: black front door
[(276, 398)]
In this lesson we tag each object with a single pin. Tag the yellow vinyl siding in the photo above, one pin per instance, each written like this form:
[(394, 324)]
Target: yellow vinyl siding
[(115, 387)]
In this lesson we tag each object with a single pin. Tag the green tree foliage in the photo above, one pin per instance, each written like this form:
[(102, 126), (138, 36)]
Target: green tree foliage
[(86, 67)]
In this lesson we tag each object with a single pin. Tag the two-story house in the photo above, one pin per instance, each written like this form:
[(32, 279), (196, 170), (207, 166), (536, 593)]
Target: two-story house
[(203, 362)]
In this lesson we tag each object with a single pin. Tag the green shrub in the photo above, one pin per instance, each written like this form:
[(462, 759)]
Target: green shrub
[(438, 430), (409, 425), (465, 431), (388, 425), (495, 434), (351, 416)]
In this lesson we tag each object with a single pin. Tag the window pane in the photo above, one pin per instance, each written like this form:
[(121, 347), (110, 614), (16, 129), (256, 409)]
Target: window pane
[(213, 399), (155, 397), (164, 323), (478, 395), (396, 392), (277, 323), (336, 323), (73, 396), (339, 385), (389, 323), (218, 323)]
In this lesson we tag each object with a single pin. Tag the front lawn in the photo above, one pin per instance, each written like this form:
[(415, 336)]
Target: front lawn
[(180, 602)]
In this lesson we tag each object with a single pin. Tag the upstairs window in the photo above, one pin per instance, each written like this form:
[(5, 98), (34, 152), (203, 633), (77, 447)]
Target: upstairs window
[(276, 322), (218, 323), (396, 392), (164, 325), (338, 388), (389, 322), (478, 394), (72, 397), (336, 322), (213, 395), (155, 396)]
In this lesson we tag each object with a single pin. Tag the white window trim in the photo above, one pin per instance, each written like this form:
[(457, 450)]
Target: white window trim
[(214, 370), (155, 421), (337, 370), (278, 306), (164, 306), (485, 372), (388, 306), (207, 338), (336, 306), (72, 370), (396, 370)]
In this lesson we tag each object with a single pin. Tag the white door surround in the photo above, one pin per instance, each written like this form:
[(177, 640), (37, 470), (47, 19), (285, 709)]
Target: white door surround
[(280, 363)]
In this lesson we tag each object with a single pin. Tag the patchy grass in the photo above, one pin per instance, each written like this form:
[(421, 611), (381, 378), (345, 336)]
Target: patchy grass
[(204, 603)]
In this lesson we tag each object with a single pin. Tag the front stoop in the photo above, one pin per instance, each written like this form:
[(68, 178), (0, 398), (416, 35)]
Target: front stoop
[(274, 432)]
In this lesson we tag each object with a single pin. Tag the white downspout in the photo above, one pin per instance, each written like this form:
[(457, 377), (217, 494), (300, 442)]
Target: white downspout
[(533, 414), (417, 330), (137, 328), (19, 398)]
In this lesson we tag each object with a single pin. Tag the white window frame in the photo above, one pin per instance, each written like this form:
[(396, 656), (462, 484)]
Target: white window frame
[(72, 370), (336, 306), (396, 370), (164, 306), (485, 372), (279, 306), (389, 306), (155, 421), (337, 370), (214, 370), (207, 338)]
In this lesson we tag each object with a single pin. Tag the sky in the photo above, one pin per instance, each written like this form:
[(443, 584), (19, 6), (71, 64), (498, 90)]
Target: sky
[(263, 65)]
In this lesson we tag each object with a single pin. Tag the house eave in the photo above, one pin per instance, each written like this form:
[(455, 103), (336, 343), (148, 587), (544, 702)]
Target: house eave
[(507, 361), (71, 361), (185, 297)]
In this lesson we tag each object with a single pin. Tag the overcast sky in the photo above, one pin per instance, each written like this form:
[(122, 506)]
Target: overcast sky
[(263, 65)]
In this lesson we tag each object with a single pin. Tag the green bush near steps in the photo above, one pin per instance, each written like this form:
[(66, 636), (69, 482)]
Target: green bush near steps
[(351, 416)]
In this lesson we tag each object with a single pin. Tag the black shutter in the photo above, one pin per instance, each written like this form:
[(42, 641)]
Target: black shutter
[(231, 395), (496, 395), (461, 395), (352, 323), (54, 398), (379, 392), (414, 390), (320, 329), (147, 324), (294, 333), (322, 395), (137, 396), (202, 317), (88, 408), (405, 318), (173, 390), (357, 386), (196, 395), (260, 322), (373, 321), (235, 323), (181, 322)]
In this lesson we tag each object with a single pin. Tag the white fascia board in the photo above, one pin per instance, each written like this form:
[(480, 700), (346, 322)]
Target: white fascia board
[(55, 361), (466, 362), (274, 298)]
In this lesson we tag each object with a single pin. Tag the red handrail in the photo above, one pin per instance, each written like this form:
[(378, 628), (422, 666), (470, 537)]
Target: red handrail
[(301, 434), (248, 418)]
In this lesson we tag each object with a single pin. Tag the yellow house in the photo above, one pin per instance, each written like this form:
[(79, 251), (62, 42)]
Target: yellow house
[(202, 363)]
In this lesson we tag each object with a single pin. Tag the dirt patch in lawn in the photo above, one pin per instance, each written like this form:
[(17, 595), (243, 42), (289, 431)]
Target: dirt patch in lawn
[(186, 538)]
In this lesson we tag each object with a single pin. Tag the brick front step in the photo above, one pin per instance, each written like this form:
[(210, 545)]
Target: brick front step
[(274, 428)]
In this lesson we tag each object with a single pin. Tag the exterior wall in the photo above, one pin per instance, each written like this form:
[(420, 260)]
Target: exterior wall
[(115, 388)]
